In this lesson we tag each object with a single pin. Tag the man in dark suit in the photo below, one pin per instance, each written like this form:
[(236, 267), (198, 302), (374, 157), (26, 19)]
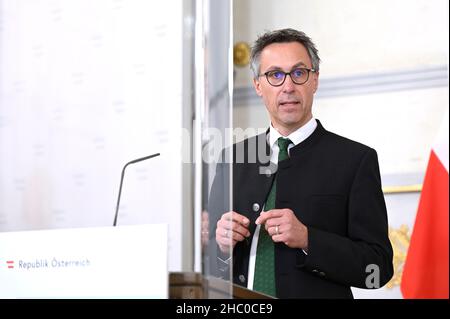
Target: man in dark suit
[(308, 218)]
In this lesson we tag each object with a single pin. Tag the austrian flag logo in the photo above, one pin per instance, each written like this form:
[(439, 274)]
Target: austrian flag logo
[(10, 264)]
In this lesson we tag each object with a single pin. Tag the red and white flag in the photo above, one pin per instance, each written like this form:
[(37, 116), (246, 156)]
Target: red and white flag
[(425, 273)]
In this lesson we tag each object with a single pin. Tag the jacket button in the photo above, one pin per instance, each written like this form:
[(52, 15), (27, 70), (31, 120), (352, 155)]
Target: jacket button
[(315, 271), (255, 207), (321, 274), (241, 278)]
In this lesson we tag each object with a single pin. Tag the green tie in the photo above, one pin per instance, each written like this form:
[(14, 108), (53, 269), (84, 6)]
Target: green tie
[(264, 266)]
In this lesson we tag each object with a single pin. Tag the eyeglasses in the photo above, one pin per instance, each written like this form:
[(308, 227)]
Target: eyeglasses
[(277, 77)]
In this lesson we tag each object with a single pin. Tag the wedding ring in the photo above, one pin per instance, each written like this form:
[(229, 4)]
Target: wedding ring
[(276, 230)]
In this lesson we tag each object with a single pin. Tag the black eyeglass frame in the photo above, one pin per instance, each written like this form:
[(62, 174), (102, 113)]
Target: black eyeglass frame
[(266, 74)]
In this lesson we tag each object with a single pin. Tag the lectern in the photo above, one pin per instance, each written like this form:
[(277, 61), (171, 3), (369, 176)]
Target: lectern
[(190, 285)]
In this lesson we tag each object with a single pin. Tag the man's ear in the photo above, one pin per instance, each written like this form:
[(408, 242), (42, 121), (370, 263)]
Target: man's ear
[(316, 81), (257, 86)]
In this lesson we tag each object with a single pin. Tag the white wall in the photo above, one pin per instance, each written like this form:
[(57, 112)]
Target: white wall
[(354, 37), (86, 86)]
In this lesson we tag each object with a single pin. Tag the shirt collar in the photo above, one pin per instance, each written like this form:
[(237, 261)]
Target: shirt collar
[(296, 137)]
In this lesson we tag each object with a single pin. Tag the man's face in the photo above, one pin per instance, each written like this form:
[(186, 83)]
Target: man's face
[(289, 105)]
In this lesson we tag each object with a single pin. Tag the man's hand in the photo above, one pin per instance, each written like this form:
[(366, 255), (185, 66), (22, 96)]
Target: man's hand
[(231, 228), (283, 226)]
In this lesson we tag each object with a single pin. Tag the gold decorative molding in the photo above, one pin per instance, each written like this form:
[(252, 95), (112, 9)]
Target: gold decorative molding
[(400, 239), (241, 54), (415, 188)]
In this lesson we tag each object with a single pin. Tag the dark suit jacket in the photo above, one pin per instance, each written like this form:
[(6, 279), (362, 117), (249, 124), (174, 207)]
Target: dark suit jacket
[(333, 186)]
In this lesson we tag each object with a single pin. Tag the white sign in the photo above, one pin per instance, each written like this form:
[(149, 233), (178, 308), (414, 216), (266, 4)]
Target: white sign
[(106, 262)]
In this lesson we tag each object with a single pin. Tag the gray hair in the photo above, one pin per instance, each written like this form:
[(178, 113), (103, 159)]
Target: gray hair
[(282, 36)]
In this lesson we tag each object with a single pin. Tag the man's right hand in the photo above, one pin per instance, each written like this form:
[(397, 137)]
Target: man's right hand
[(231, 228)]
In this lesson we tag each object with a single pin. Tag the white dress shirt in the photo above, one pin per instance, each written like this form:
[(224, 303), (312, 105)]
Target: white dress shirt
[(296, 137)]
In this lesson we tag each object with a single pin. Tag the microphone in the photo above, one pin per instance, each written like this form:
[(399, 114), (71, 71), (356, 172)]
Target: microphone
[(121, 181)]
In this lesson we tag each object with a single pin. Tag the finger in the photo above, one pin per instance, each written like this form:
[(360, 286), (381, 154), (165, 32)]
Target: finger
[(272, 222), (235, 222), (240, 229), (227, 235), (223, 238), (232, 226), (238, 233), (264, 216), (272, 230), (237, 237), (236, 217), (278, 238)]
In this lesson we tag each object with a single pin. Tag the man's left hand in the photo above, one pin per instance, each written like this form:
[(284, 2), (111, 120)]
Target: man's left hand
[(283, 226)]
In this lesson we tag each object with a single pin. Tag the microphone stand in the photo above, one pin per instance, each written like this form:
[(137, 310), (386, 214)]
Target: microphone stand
[(121, 181)]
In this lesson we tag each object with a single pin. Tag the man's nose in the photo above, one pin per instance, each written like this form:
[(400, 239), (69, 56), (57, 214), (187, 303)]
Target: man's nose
[(288, 85)]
